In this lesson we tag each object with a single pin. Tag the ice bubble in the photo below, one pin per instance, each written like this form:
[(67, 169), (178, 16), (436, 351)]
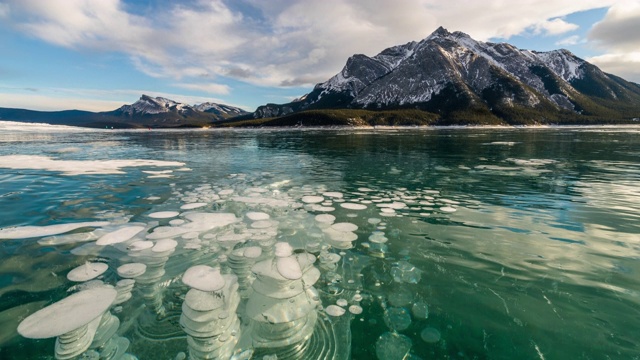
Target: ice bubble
[(342, 302), (374, 221), (334, 310), (355, 309), (68, 314), (325, 218), (357, 297), (401, 297), (341, 236), (344, 227), (289, 267), (87, 271), (448, 209), (131, 270), (430, 335), (394, 205), (257, 216), (164, 245), (319, 208), (25, 232), (203, 278), (333, 194), (420, 310), (153, 198), (163, 214), (392, 346), (140, 245), (283, 249), (225, 192), (378, 237), (176, 222), (262, 224), (353, 206), (120, 235), (397, 318), (403, 271), (252, 252), (192, 206), (387, 210), (69, 238), (312, 199)]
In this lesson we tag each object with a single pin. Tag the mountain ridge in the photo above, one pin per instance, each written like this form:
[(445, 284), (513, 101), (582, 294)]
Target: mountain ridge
[(451, 73), (147, 111)]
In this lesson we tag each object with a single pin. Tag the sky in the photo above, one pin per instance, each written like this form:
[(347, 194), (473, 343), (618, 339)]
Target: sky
[(97, 55)]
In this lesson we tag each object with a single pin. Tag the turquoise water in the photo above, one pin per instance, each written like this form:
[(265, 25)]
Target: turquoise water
[(470, 243)]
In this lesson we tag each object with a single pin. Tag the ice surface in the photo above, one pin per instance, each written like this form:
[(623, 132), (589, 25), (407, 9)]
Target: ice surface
[(203, 278), (67, 314), (25, 232), (87, 271), (78, 167), (120, 235)]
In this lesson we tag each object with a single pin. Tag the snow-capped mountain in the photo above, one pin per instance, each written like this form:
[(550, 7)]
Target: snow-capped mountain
[(148, 105), (219, 109), (448, 72)]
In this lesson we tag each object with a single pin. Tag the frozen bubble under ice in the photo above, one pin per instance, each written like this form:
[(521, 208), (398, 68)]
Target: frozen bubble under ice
[(333, 194), (131, 270), (289, 267), (448, 209), (192, 206), (325, 218), (203, 278), (252, 252), (342, 302), (120, 235), (374, 221), (355, 309), (67, 314), (420, 310), (257, 216), (353, 206), (334, 310), (344, 227), (283, 249), (25, 232), (397, 318), (164, 245), (163, 214), (312, 199), (392, 346), (87, 271), (430, 335), (140, 245)]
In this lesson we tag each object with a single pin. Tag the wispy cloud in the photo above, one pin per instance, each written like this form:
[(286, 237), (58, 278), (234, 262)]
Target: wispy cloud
[(553, 27), (569, 41), (208, 88)]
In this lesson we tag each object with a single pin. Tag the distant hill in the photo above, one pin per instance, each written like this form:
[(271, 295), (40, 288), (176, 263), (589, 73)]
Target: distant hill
[(458, 80), (146, 112)]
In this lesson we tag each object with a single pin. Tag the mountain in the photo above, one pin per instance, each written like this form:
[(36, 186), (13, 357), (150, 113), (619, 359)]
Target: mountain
[(462, 80), (146, 112)]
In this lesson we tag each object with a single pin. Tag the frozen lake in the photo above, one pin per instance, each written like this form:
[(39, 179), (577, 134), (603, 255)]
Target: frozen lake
[(336, 244)]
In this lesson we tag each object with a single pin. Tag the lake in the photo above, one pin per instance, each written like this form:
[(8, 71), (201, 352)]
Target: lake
[(426, 243)]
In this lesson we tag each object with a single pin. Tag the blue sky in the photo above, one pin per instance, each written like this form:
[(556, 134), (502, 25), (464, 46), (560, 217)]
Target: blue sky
[(99, 54)]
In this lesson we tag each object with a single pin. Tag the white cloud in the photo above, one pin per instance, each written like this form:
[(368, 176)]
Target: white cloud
[(553, 27), (569, 41), (625, 65), (4, 10), (618, 34), (278, 42), (208, 88)]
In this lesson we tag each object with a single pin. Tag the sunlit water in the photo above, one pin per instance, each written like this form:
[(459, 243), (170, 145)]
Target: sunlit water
[(470, 243)]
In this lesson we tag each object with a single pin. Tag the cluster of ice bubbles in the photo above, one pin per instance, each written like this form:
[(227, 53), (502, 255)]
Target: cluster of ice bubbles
[(237, 272)]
